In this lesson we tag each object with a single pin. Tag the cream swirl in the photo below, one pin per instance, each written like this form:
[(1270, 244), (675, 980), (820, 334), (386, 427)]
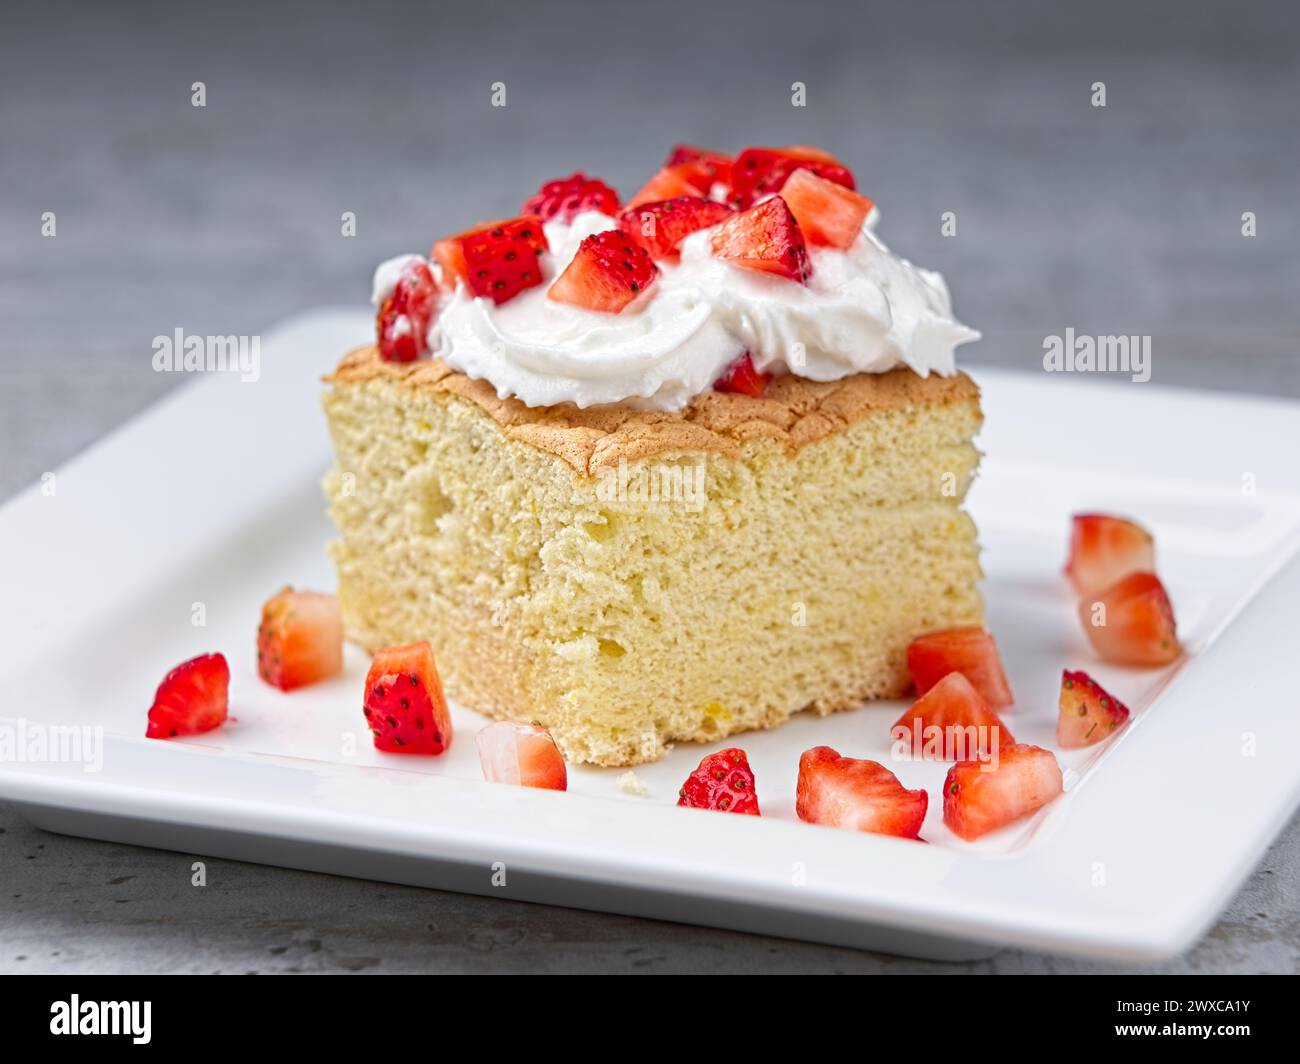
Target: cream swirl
[(864, 311)]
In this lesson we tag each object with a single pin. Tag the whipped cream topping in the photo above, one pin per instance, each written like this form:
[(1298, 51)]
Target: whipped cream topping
[(864, 311)]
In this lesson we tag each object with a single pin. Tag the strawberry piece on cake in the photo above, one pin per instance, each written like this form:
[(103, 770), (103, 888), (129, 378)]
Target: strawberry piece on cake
[(567, 197), (765, 238), (723, 781), (402, 323), (857, 795), (523, 754), (1104, 549), (952, 722), (715, 164), (759, 172), (404, 704), (1088, 714), (660, 227), (608, 272), (971, 651), (979, 798), (680, 179), (1132, 622), (741, 377), (829, 215), (300, 639), (497, 260), (193, 698)]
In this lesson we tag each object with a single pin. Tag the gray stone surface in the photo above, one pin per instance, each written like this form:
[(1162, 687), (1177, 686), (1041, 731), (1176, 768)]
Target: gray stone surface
[(224, 219)]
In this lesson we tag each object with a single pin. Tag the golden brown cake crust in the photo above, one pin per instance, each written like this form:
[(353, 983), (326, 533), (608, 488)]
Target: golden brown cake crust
[(795, 411)]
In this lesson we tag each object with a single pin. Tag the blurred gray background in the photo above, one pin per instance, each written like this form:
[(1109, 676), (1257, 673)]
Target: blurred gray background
[(225, 219)]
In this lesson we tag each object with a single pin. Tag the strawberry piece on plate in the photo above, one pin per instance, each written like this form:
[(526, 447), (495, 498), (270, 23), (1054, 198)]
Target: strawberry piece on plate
[(402, 324), (951, 722), (844, 792), (660, 227), (971, 651), (765, 238), (300, 639), (404, 704), (1131, 622), (608, 272), (193, 698), (1088, 714), (523, 754), (828, 214), (1105, 549), (979, 798), (497, 260), (714, 163), (742, 377), (567, 197), (723, 781), (680, 179), (759, 172)]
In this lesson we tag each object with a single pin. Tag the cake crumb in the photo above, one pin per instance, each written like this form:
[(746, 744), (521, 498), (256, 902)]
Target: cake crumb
[(630, 783)]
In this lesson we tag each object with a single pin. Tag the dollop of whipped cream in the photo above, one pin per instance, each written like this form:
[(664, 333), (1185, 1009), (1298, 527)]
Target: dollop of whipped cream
[(864, 310)]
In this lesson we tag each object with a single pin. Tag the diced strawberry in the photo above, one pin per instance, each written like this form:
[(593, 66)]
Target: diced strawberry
[(1088, 714), (497, 260), (1104, 548), (300, 639), (567, 197), (723, 781), (742, 377), (1131, 622), (681, 179), (829, 215), (844, 792), (759, 172), (661, 227), (765, 238), (979, 798), (404, 704), (402, 324), (951, 722), (193, 698), (607, 273), (523, 754), (971, 651), (715, 163)]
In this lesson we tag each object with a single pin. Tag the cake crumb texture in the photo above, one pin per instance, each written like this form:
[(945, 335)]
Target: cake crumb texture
[(793, 547)]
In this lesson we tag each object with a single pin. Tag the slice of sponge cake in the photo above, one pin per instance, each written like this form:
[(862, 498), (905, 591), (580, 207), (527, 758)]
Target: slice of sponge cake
[(631, 578)]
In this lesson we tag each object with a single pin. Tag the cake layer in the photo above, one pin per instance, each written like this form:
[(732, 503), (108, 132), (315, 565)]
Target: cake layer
[(633, 579)]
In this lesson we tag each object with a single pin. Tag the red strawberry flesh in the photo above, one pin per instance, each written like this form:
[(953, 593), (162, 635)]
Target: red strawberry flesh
[(979, 798), (742, 378), (567, 197), (857, 795), (521, 754), (608, 272), (723, 781), (1104, 549), (661, 226), (764, 238), (1088, 713), (193, 698), (497, 260), (951, 722), (972, 651), (402, 323), (1131, 622), (759, 172), (300, 639), (404, 704)]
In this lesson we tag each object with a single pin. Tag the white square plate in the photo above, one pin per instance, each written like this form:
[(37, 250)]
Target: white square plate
[(212, 497)]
